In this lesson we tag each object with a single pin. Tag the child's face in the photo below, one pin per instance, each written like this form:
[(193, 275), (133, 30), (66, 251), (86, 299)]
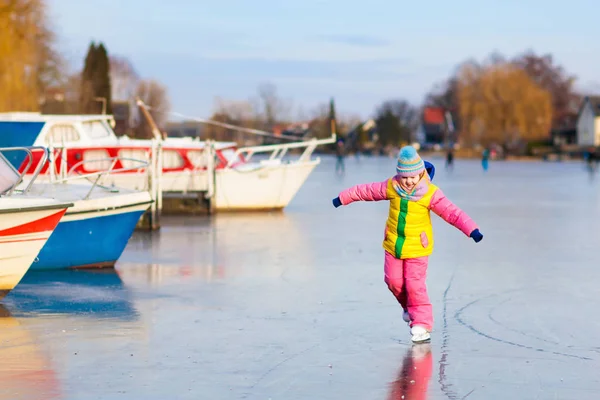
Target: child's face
[(408, 183)]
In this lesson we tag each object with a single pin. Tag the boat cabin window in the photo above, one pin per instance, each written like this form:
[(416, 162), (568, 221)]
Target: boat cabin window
[(97, 129), (131, 155), (172, 159), (62, 133), (96, 160), (231, 157), (197, 158)]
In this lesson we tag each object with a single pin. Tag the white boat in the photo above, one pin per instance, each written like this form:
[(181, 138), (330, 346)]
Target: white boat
[(96, 229), (26, 223), (221, 171)]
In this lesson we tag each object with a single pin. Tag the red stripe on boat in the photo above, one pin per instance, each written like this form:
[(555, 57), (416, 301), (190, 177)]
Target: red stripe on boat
[(24, 240), (40, 225)]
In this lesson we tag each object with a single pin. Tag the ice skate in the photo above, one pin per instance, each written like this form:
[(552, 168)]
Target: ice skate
[(420, 334)]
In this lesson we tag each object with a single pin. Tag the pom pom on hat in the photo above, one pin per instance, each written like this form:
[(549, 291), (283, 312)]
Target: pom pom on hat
[(409, 162)]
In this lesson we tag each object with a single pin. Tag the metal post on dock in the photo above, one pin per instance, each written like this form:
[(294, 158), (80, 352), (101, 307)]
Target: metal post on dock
[(155, 175), (63, 162), (51, 163), (158, 180), (154, 186), (210, 176), (150, 176)]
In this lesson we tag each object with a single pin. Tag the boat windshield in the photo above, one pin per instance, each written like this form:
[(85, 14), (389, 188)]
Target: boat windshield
[(97, 129), (8, 175)]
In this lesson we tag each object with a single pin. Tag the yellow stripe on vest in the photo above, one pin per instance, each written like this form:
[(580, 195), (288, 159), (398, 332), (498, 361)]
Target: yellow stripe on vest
[(415, 238)]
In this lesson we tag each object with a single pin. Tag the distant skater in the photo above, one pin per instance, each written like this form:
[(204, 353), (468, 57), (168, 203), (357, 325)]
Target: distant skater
[(450, 159), (339, 152), (409, 234), (592, 162), (485, 159)]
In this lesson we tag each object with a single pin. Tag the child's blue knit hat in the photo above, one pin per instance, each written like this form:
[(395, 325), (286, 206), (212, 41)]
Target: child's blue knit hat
[(409, 162)]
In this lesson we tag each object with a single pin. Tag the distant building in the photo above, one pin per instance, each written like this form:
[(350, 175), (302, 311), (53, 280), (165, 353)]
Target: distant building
[(564, 136), (588, 122), (435, 126), (122, 115), (566, 133), (191, 129), (56, 101)]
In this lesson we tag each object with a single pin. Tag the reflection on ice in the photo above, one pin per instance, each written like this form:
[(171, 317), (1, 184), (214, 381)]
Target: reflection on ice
[(96, 293), (26, 370), (414, 375), (234, 245)]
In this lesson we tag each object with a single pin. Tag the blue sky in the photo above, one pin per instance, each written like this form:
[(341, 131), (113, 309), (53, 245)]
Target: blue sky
[(360, 52)]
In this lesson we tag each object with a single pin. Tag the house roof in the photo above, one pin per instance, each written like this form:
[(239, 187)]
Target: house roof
[(433, 115), (594, 102)]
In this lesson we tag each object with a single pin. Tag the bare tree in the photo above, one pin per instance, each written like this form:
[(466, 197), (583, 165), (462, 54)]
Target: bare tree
[(155, 96), (273, 108), (397, 120), (267, 111), (239, 113), (71, 89), (319, 121), (552, 77), (124, 78)]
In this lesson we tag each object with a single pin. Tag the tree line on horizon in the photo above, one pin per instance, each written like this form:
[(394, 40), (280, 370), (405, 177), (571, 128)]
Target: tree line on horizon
[(504, 100), (499, 99)]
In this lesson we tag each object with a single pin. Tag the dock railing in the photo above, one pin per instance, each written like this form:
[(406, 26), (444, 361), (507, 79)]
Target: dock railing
[(95, 177), (152, 167), (278, 151), (12, 177)]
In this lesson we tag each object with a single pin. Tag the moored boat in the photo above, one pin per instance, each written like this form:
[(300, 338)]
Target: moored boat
[(26, 223), (218, 170)]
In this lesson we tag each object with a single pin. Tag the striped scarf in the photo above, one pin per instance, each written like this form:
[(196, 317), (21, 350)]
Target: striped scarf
[(417, 193)]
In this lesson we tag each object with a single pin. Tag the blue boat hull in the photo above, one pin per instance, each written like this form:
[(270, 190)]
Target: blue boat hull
[(88, 242)]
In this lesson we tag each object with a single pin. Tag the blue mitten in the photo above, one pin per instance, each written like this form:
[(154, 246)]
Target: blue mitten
[(337, 202), (476, 235)]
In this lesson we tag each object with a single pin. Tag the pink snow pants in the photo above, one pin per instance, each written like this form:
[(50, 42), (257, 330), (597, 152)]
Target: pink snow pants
[(406, 280)]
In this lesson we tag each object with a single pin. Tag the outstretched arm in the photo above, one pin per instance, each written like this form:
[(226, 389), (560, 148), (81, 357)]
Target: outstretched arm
[(451, 213), (365, 192)]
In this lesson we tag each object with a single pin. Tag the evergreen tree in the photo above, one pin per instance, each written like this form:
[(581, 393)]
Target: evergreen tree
[(87, 88), (95, 81), (396, 120), (332, 120), (102, 87)]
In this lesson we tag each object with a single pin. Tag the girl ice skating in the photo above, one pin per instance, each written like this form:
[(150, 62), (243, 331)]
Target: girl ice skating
[(408, 233)]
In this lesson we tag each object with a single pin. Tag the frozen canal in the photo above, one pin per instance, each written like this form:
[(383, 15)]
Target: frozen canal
[(293, 305)]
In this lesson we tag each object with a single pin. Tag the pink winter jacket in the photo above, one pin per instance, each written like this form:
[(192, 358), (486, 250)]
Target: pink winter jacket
[(434, 200)]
